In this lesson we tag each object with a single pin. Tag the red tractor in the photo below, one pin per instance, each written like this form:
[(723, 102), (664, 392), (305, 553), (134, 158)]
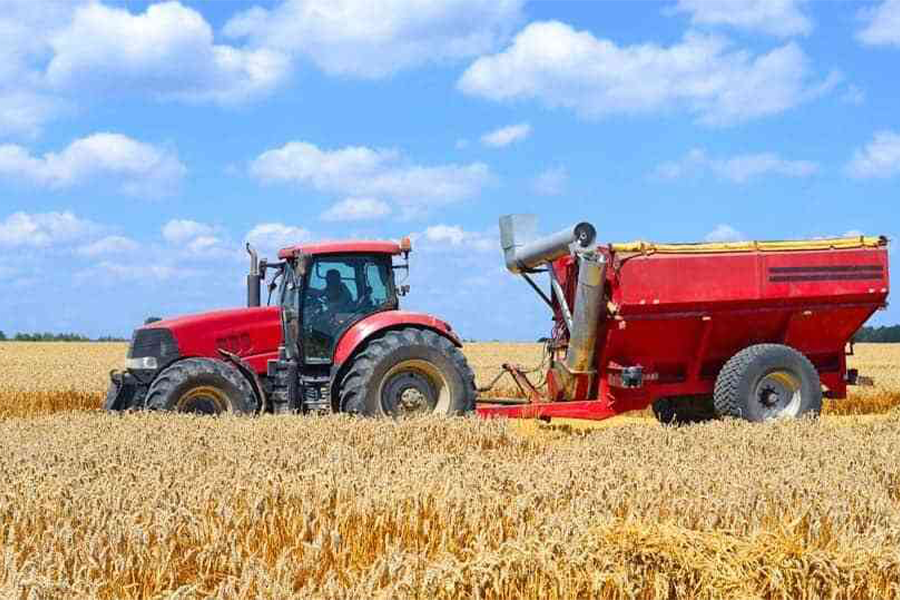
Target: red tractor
[(334, 340)]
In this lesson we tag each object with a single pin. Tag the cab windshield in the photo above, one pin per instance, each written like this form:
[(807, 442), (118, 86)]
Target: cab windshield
[(336, 291)]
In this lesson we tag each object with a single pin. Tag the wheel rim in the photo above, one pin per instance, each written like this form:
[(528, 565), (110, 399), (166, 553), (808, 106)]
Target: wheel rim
[(414, 387), (203, 400), (778, 395)]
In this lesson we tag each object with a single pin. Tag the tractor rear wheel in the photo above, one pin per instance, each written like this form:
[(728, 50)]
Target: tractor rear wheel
[(201, 386), (767, 382), (408, 372)]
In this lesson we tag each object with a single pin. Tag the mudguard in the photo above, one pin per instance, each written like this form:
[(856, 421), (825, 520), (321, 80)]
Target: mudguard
[(390, 319), (248, 372)]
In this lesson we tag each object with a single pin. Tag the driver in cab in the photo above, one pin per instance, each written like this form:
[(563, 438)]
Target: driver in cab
[(336, 295)]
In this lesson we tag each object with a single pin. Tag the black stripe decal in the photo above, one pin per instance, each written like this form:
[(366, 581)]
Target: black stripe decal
[(829, 269), (826, 277)]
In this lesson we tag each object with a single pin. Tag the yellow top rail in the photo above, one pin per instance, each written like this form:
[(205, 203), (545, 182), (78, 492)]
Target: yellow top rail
[(773, 246)]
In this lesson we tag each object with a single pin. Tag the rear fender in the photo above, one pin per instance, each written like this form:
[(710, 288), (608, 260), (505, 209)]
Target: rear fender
[(374, 326)]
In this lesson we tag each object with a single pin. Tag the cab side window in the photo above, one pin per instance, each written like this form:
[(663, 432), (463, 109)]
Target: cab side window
[(376, 279)]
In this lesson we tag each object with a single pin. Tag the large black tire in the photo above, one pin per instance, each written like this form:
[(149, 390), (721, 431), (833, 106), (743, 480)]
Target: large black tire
[(408, 371), (684, 410), (202, 386), (766, 382)]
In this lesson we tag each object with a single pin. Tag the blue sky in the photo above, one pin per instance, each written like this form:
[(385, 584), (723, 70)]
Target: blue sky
[(141, 144)]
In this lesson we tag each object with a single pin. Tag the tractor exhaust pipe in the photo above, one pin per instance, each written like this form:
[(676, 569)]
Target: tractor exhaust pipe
[(522, 257), (254, 279)]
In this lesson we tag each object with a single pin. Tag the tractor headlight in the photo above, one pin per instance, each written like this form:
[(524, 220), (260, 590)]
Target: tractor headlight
[(144, 362)]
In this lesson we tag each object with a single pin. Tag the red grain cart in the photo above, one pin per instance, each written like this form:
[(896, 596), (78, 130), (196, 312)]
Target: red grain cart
[(756, 330)]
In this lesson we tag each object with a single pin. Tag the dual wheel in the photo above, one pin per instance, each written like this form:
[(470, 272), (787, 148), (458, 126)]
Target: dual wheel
[(760, 383), (405, 372)]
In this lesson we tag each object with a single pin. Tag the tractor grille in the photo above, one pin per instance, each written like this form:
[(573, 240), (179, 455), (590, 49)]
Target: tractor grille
[(157, 342)]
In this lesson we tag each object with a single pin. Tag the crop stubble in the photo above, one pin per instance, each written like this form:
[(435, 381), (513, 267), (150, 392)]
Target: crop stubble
[(152, 506)]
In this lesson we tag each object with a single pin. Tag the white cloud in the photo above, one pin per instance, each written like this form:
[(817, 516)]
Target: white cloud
[(24, 112), (358, 171), (113, 244), (883, 24), (374, 39), (724, 233), (203, 244), (879, 158), (141, 169), (443, 236), (178, 231), (738, 169), (25, 28), (271, 237), (357, 209), (506, 135), (551, 182), (197, 239), (703, 74), (167, 50), (782, 18), (138, 272), (44, 229)]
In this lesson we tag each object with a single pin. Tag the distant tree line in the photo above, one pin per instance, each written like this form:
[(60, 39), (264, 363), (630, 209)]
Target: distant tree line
[(878, 335), (57, 337), (870, 335)]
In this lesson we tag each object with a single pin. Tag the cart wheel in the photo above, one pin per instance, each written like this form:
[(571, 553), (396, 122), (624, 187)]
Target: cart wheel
[(684, 410), (767, 382)]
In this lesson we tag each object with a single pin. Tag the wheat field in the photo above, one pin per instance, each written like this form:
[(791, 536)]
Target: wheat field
[(94, 505)]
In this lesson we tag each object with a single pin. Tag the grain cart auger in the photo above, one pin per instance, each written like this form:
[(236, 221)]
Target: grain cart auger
[(755, 330), (331, 338)]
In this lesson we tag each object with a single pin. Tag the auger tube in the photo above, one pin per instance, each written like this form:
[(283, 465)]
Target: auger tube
[(586, 312), (524, 257)]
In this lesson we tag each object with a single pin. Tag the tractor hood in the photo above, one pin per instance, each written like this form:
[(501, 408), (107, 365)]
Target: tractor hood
[(242, 331)]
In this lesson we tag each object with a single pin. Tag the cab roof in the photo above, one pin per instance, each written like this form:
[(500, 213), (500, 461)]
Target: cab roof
[(345, 247)]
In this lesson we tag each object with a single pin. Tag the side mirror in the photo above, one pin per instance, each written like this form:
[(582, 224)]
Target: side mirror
[(403, 290)]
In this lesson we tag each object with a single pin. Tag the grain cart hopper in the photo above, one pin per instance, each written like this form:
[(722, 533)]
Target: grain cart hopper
[(756, 330)]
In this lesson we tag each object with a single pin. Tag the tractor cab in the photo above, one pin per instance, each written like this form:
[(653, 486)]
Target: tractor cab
[(324, 289)]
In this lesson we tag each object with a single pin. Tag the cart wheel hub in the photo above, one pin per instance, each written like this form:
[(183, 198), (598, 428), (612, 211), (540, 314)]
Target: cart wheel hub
[(778, 393)]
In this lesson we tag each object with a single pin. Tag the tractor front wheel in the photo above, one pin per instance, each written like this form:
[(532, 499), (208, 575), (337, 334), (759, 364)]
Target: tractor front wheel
[(408, 372), (201, 386)]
